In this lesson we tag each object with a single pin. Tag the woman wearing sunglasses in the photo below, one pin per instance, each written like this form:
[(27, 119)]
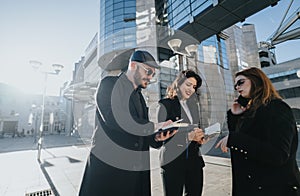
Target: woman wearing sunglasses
[(181, 161), (262, 139)]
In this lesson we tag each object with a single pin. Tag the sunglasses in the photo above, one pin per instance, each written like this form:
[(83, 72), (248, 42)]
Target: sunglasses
[(149, 72), (240, 82)]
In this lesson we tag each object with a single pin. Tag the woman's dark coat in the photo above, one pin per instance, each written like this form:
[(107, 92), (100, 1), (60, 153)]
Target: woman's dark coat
[(181, 159), (119, 160), (263, 152)]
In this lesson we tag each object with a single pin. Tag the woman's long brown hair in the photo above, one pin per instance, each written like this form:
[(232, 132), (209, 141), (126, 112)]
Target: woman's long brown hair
[(262, 90)]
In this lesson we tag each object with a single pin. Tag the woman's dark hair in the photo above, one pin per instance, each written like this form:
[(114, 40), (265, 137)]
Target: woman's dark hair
[(173, 91), (262, 90)]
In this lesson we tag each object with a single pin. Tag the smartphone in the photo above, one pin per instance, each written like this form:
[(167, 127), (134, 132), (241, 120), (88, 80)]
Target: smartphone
[(243, 101)]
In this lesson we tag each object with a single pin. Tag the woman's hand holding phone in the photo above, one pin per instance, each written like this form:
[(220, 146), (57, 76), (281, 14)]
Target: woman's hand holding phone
[(239, 105)]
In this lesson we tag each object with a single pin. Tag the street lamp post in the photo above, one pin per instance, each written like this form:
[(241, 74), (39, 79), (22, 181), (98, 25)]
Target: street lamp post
[(174, 45), (190, 51), (57, 68), (32, 121)]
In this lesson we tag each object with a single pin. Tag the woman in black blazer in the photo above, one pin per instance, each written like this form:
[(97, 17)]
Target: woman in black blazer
[(181, 160), (262, 139)]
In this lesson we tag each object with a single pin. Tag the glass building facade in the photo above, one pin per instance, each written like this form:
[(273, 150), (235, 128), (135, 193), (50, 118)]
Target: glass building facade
[(182, 12), (286, 79), (115, 16), (213, 50)]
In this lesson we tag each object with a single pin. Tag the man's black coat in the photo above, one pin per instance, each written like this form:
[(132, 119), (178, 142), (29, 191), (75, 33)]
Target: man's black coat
[(119, 162)]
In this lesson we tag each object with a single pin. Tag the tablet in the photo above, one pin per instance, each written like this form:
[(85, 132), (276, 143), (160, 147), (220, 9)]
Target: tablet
[(213, 130), (181, 127)]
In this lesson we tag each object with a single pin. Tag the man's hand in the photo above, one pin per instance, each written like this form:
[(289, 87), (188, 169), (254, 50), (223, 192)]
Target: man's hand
[(162, 136)]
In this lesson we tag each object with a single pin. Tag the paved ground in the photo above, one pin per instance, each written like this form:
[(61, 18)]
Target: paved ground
[(217, 176), (62, 165)]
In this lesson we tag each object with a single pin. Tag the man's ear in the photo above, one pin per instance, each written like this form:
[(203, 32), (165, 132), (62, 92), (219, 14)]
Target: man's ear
[(132, 65)]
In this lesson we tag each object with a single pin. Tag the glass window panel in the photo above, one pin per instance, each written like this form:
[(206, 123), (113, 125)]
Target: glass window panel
[(109, 2), (130, 10), (109, 9), (118, 25), (118, 12), (198, 9), (109, 28), (118, 5), (130, 4), (130, 24), (131, 44), (119, 18), (118, 45), (130, 37)]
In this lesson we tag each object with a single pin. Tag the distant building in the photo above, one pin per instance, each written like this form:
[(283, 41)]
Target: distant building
[(20, 113), (286, 79), (242, 47), (80, 92), (266, 54)]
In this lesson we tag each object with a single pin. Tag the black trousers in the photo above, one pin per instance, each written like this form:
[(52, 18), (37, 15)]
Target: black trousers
[(184, 175)]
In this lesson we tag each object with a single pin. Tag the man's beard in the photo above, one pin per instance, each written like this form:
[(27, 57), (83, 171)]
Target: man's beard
[(138, 79)]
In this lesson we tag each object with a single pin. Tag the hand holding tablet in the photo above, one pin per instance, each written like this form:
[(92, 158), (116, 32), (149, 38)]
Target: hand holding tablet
[(212, 130)]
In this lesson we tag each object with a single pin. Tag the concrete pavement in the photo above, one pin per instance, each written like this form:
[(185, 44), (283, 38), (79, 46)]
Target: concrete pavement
[(217, 176), (62, 165)]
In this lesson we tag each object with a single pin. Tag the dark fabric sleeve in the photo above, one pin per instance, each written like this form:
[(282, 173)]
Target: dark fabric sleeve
[(162, 113), (119, 124), (153, 143), (103, 102), (276, 148), (113, 102), (232, 120)]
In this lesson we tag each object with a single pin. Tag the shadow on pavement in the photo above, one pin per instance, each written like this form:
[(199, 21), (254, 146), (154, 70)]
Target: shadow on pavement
[(51, 184)]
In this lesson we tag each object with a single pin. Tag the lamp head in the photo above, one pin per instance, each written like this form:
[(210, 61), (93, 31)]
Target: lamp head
[(191, 49), (57, 68), (35, 64), (174, 44)]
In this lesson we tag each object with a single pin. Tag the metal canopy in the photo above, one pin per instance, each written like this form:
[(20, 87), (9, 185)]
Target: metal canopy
[(288, 30), (225, 14)]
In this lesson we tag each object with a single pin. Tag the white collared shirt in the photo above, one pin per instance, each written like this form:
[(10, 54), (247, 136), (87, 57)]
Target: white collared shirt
[(187, 110)]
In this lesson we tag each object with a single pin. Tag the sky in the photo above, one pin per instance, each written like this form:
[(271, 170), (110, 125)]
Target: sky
[(266, 23), (58, 32), (48, 31)]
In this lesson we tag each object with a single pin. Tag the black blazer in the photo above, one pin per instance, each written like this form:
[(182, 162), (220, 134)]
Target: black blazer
[(178, 147), (263, 152)]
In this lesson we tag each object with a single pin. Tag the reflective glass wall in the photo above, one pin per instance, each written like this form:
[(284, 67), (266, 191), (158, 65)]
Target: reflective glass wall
[(115, 16), (181, 12), (213, 50)]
